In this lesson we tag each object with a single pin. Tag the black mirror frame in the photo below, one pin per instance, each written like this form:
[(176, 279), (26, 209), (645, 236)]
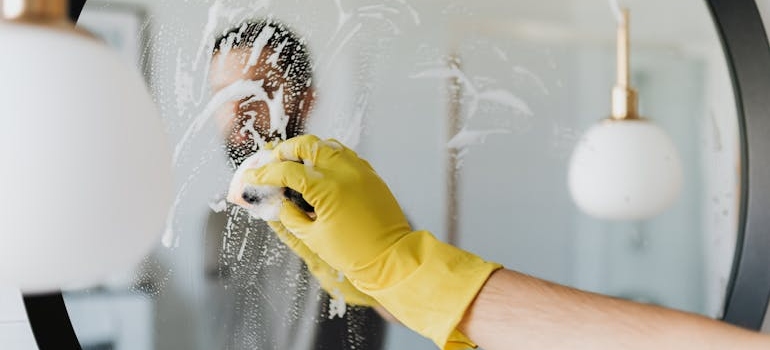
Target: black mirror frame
[(748, 56)]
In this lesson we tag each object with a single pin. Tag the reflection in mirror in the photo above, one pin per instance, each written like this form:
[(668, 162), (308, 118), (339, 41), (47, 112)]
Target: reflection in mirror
[(470, 112)]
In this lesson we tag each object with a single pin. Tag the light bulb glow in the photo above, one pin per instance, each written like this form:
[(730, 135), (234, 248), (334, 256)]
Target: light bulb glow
[(625, 170), (86, 171)]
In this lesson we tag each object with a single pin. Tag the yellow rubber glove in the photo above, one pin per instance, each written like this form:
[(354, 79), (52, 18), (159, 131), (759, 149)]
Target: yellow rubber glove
[(332, 281), (361, 230)]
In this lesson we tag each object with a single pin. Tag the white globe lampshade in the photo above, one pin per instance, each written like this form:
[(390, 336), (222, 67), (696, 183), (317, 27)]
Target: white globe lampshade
[(86, 170), (625, 170)]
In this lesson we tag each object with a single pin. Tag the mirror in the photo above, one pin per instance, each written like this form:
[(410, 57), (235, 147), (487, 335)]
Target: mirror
[(469, 111)]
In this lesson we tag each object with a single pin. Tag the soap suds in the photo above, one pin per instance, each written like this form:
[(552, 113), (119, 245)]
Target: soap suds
[(278, 118), (505, 97), (616, 11), (183, 86), (259, 45), (264, 202), (243, 245), (538, 81), (273, 58), (466, 138), (233, 92), (500, 53), (337, 305), (218, 205)]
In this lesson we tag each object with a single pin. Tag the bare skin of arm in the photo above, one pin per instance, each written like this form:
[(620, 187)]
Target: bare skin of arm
[(516, 311)]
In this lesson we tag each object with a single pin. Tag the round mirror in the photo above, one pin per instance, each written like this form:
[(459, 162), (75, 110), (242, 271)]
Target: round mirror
[(469, 110)]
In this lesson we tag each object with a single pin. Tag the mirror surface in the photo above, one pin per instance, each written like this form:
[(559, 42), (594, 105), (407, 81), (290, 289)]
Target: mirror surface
[(468, 110)]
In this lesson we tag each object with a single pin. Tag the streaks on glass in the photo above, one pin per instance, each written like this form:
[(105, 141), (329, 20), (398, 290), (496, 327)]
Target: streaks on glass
[(564, 140), (473, 94), (240, 89), (183, 86), (716, 132), (466, 138), (519, 70), (350, 21)]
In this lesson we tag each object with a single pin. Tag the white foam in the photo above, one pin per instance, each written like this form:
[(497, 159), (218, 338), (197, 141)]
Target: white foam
[(183, 85), (394, 28), (259, 44), (499, 96), (169, 236), (207, 36), (616, 11), (269, 208), (278, 118), (229, 14), (415, 15), (351, 131), (331, 58), (505, 97), (235, 91), (218, 205), (249, 129), (271, 198), (342, 16), (273, 58), (337, 305), (466, 137), (243, 245), (523, 71), (500, 53)]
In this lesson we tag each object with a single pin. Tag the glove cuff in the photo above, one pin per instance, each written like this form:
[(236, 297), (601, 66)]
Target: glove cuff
[(427, 285)]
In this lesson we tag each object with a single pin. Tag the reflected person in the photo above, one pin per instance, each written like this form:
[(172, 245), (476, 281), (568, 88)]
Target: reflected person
[(263, 296)]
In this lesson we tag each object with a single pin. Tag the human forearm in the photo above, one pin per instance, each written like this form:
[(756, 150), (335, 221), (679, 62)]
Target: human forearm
[(518, 311)]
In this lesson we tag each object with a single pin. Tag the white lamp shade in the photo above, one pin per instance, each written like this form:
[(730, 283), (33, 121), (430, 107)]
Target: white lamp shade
[(86, 170), (625, 170)]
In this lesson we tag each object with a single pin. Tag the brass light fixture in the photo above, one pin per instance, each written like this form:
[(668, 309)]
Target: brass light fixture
[(35, 11), (625, 167), (86, 177), (624, 97)]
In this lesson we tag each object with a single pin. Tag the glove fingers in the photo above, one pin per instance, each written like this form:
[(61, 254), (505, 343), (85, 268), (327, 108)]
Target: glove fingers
[(333, 143), (308, 149), (310, 258), (285, 174), (295, 219), (270, 145), (285, 236)]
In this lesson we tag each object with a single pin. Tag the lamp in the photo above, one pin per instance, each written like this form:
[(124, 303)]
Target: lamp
[(625, 167), (86, 170)]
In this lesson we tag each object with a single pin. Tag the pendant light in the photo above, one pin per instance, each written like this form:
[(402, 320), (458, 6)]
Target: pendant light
[(86, 171), (625, 167)]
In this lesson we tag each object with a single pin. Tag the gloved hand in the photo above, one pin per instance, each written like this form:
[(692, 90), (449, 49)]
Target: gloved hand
[(361, 231), (332, 281)]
